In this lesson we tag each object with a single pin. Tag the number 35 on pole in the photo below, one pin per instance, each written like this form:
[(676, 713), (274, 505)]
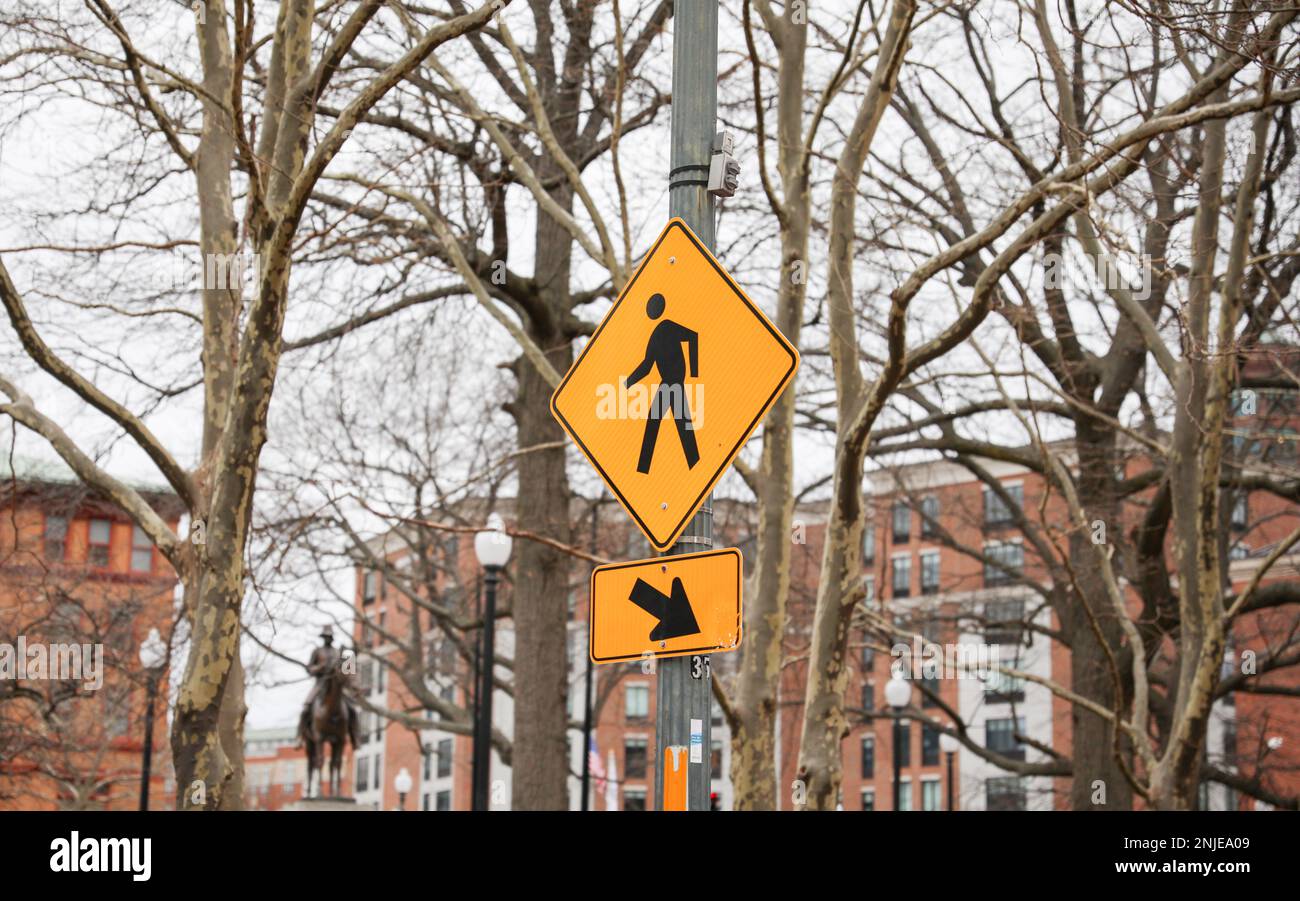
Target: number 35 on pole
[(682, 343)]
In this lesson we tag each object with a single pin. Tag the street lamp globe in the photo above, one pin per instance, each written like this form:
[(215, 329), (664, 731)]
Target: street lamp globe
[(948, 744), (492, 545), (897, 693), (402, 781), (153, 653)]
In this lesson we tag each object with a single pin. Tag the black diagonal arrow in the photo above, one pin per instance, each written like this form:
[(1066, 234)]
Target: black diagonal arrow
[(673, 611)]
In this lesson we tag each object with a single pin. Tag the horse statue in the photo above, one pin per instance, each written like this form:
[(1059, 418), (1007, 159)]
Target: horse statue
[(327, 717)]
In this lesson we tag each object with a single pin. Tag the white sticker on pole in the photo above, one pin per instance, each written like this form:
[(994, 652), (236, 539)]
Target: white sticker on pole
[(697, 741)]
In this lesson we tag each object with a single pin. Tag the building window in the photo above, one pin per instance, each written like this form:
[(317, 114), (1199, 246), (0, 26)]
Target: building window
[(444, 800), (56, 538), (996, 512), (929, 572), (869, 757), (634, 799), (868, 658), (929, 517), (902, 522), (901, 579), (1004, 793), (930, 685), (363, 774), (869, 544), (904, 736), (1000, 687), (101, 532), (638, 702), (1004, 562), (929, 794), (1000, 736), (424, 802), (929, 747), (427, 773), (715, 756), (1240, 511), (1004, 622), (905, 795), (868, 800), (444, 757), (369, 588), (868, 695), (634, 758), (869, 589), (141, 551)]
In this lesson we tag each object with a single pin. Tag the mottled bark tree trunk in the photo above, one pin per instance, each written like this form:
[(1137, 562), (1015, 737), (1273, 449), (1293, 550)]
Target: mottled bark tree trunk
[(753, 721), (840, 586), (218, 240)]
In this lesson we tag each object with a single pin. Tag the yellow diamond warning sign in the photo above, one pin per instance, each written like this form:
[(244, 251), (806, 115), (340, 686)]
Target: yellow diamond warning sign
[(674, 381)]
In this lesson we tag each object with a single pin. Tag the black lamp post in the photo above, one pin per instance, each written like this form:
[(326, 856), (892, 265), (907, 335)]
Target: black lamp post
[(492, 546), (153, 656), (897, 693), (949, 746)]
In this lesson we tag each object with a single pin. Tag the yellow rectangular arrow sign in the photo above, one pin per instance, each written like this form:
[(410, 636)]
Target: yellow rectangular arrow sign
[(666, 606)]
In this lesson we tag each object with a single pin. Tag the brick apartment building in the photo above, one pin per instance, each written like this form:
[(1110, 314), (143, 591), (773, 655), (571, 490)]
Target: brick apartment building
[(932, 589), (74, 570), (943, 556)]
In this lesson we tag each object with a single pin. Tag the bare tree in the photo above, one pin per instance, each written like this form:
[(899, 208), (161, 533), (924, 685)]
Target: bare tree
[(203, 115), (1055, 195)]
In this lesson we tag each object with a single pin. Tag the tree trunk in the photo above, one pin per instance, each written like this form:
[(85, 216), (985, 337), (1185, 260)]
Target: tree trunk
[(219, 764), (1092, 674), (753, 739), (1093, 738), (840, 589), (540, 765)]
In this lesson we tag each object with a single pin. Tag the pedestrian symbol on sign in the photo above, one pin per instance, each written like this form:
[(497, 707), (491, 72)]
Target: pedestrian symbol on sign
[(664, 352)]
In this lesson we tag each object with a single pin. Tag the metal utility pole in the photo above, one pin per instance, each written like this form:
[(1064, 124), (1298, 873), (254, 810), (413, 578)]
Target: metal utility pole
[(684, 689)]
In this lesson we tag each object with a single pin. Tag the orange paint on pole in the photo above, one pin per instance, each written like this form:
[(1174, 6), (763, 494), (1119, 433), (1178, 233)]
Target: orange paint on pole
[(675, 778)]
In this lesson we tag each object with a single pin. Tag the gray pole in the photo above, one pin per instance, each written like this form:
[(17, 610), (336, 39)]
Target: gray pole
[(680, 697)]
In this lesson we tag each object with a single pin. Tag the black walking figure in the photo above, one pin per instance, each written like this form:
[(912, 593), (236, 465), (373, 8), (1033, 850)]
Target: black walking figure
[(664, 352)]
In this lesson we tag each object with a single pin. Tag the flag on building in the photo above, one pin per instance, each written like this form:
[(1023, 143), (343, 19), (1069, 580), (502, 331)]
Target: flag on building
[(597, 765)]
